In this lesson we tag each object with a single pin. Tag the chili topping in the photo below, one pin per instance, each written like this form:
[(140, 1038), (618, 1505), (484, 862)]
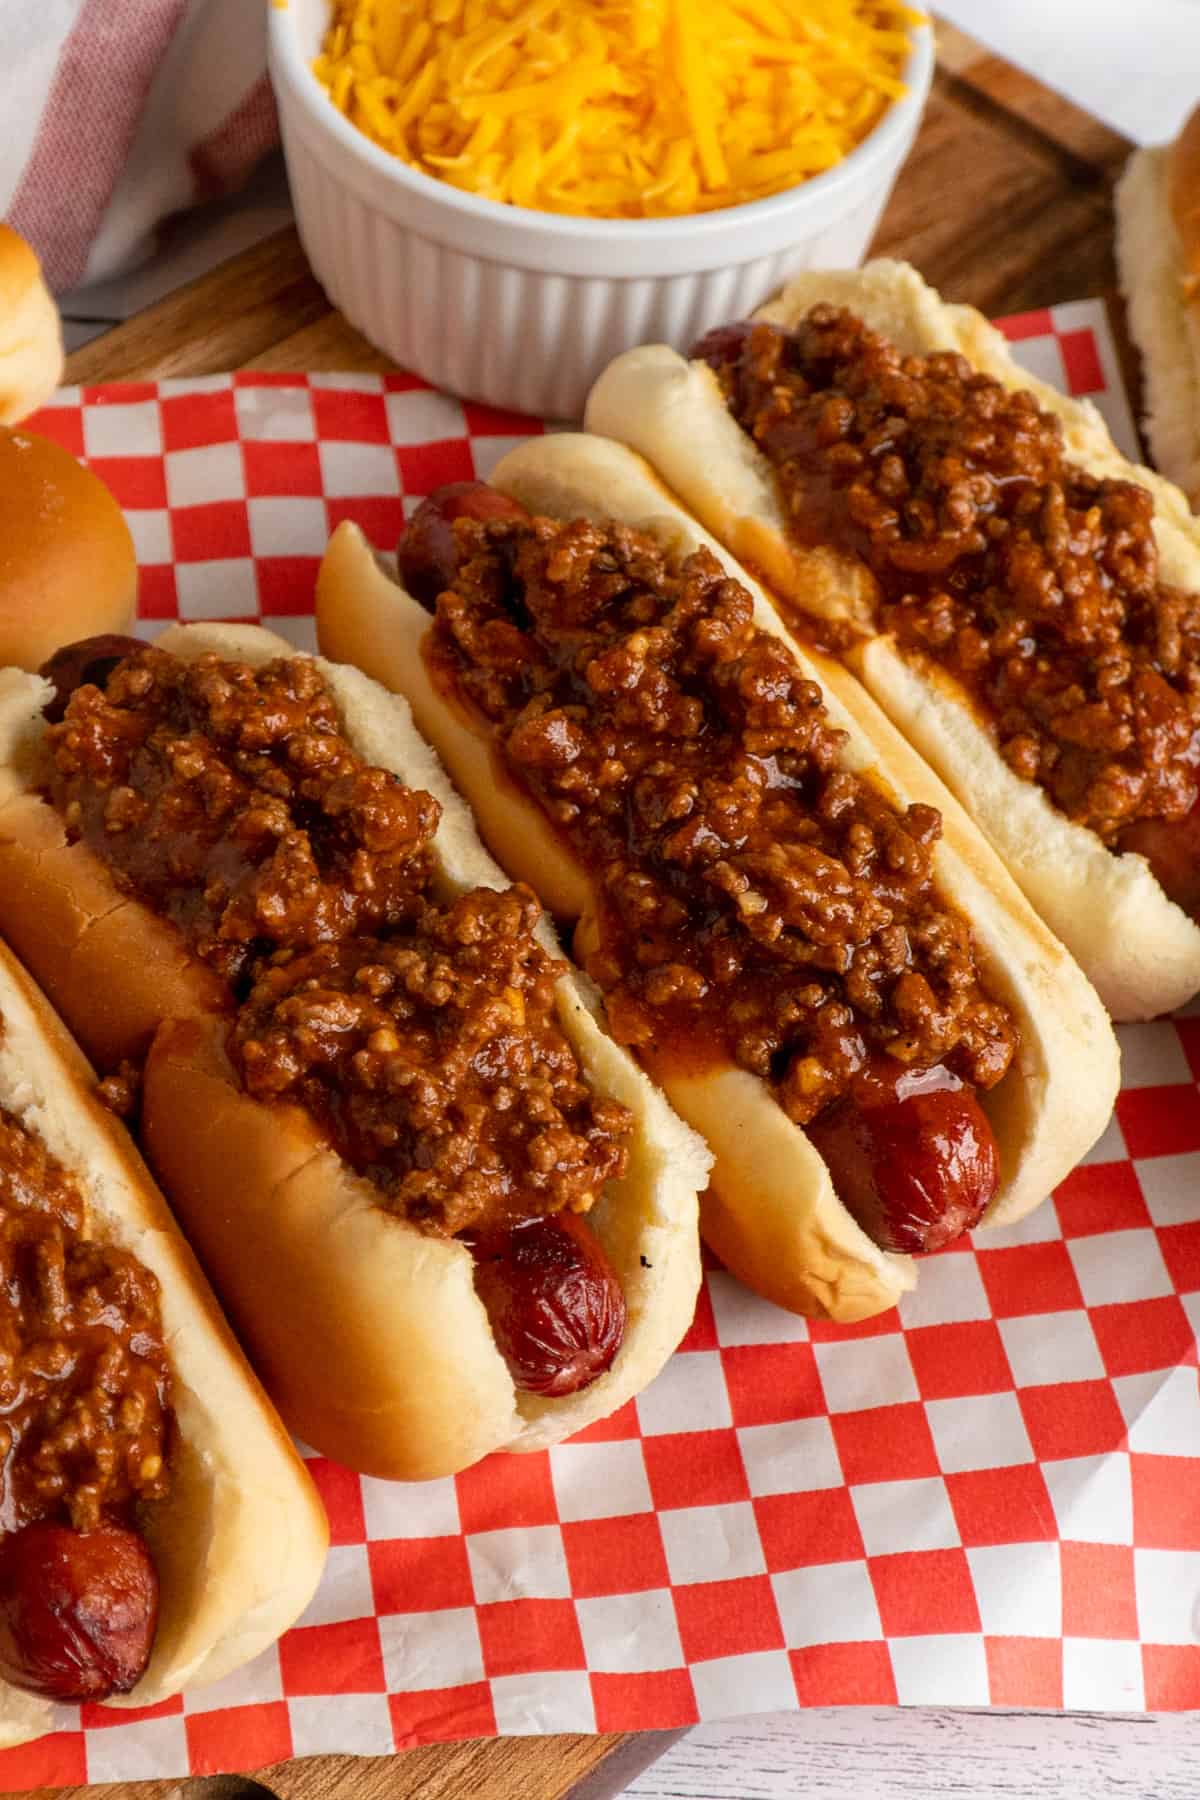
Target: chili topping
[(85, 1387), (120, 1092), (758, 899), (227, 798), (434, 1061), (1033, 582), (421, 1036)]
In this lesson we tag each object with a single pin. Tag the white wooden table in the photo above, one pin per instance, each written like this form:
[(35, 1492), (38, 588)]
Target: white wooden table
[(856, 1753)]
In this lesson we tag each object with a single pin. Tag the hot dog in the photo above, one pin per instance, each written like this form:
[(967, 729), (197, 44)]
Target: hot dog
[(1017, 597), (792, 923), (156, 1526), (1157, 209), (445, 1212)]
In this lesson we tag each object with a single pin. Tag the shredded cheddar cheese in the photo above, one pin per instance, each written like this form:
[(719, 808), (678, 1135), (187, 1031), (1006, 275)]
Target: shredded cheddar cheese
[(616, 108)]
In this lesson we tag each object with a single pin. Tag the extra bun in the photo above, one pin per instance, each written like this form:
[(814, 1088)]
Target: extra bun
[(240, 1540), (31, 356), (1158, 253), (67, 567), (1139, 949)]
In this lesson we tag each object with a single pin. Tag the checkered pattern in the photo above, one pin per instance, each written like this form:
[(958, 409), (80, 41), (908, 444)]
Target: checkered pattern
[(989, 1496), (232, 483)]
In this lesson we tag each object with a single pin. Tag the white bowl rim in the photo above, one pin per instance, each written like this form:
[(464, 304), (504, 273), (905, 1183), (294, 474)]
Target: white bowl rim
[(890, 132)]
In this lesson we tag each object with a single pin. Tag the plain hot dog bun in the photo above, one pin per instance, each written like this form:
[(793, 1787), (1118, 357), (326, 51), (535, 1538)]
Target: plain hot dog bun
[(240, 1541), (66, 557), (1141, 951), (31, 351), (369, 1335), (1158, 254), (771, 1211)]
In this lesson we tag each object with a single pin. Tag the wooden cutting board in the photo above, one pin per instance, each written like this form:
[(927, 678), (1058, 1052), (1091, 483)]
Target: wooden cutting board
[(1005, 202)]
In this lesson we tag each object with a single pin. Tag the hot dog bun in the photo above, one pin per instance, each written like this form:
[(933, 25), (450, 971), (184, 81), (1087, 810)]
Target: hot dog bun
[(31, 352), (368, 1334), (771, 1211), (1157, 205), (66, 557), (1141, 951), (240, 1541)]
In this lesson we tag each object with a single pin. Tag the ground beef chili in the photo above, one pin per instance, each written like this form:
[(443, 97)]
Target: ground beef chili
[(436, 1064), (120, 1092), (758, 900), (421, 1036), (85, 1390), (1033, 582), (227, 798)]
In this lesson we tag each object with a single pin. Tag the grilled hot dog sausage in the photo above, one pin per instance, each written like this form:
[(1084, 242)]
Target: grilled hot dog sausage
[(555, 1305), (78, 1610), (912, 1156)]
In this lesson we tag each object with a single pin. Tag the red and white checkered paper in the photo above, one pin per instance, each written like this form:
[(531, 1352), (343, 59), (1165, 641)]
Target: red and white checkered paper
[(989, 1496)]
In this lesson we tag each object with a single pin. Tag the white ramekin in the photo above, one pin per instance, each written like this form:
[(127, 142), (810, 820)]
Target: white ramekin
[(523, 309)]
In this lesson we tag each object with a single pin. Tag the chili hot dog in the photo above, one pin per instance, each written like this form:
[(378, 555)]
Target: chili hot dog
[(156, 1526), (792, 924), (1021, 601), (460, 1220)]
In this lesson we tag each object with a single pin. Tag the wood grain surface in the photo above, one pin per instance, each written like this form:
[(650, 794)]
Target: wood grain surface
[(1004, 202), (927, 1754)]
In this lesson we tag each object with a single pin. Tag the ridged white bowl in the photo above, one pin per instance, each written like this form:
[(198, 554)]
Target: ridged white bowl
[(523, 309)]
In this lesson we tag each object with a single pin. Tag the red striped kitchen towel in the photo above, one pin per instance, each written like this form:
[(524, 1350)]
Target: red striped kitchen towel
[(118, 114)]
